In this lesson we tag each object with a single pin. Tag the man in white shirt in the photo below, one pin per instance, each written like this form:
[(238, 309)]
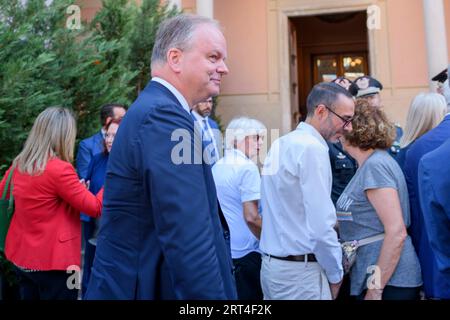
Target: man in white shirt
[(302, 256), (211, 135)]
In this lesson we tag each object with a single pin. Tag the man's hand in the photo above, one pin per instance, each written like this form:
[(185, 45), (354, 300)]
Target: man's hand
[(334, 287), (85, 183)]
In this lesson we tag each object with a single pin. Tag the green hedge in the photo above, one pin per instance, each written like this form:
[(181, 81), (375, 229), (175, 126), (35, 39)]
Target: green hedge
[(44, 63)]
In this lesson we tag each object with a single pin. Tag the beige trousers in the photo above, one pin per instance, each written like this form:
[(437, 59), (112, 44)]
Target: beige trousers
[(292, 280)]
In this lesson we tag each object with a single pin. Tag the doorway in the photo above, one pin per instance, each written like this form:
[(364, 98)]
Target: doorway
[(326, 46)]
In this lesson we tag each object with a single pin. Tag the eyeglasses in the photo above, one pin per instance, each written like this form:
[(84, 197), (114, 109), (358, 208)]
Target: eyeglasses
[(346, 121)]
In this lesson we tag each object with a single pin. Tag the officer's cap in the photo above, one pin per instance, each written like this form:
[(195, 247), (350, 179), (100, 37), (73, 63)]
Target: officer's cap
[(441, 76), (367, 85), (347, 84)]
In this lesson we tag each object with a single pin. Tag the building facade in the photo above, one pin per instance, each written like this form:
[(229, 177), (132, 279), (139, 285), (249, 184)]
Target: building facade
[(278, 49)]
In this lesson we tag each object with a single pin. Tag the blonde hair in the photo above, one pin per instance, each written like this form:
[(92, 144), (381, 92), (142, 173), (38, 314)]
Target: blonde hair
[(426, 111), (53, 135)]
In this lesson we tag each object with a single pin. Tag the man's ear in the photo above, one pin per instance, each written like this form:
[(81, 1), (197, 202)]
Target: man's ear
[(321, 111), (107, 120), (174, 59)]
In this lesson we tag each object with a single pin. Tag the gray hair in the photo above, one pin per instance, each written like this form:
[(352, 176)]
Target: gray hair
[(242, 127), (177, 32), (324, 93)]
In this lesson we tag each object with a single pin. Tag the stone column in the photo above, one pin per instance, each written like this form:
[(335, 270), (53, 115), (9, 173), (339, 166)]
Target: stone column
[(436, 39), (205, 8)]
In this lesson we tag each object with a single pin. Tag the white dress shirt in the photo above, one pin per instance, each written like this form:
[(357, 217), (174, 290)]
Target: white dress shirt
[(237, 181), (298, 215)]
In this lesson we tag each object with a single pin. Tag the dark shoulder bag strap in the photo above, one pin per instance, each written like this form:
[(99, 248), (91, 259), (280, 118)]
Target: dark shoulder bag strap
[(8, 182)]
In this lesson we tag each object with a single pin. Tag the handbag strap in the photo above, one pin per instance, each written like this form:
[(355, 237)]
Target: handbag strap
[(372, 239), (363, 242), (8, 181)]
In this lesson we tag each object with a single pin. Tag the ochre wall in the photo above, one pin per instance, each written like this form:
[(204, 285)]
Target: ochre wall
[(252, 29), (245, 28), (447, 20), (189, 6), (407, 43), (400, 58), (89, 8)]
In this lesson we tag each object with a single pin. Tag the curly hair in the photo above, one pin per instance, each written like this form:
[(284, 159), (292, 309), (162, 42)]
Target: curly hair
[(371, 128)]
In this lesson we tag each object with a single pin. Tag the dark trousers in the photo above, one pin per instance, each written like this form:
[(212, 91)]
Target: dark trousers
[(396, 293), (344, 291), (89, 254), (45, 285), (247, 273)]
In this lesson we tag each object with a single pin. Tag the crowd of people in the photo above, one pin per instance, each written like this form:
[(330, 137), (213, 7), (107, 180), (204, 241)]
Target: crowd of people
[(346, 206)]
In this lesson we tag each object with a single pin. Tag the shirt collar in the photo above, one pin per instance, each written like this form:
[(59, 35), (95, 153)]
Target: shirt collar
[(303, 126), (175, 92), (198, 116), (237, 153)]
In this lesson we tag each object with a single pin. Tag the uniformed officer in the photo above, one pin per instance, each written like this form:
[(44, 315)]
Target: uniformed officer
[(369, 88), (441, 78), (343, 166)]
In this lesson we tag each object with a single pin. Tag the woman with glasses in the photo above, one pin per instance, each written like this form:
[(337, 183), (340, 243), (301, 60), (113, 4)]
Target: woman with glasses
[(373, 211)]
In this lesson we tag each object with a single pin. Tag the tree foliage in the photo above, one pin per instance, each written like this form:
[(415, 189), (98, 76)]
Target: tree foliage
[(44, 63)]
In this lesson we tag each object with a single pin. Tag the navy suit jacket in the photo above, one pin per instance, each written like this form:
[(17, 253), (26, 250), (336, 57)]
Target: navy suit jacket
[(434, 187), (88, 148), (433, 281), (96, 172), (161, 235), (401, 155)]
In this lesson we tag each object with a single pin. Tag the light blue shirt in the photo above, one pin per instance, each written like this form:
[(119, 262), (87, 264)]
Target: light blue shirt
[(204, 124), (237, 181)]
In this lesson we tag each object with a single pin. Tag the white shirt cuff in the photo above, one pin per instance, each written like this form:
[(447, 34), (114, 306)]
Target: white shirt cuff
[(335, 277)]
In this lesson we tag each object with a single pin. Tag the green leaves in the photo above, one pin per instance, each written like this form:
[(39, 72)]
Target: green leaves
[(42, 63)]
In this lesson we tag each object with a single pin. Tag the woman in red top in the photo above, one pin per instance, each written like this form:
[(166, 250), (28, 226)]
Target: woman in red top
[(44, 238)]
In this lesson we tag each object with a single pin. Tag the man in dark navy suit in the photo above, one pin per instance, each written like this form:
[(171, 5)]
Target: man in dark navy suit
[(93, 145), (434, 189), (87, 149), (161, 234), (211, 134), (435, 283)]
